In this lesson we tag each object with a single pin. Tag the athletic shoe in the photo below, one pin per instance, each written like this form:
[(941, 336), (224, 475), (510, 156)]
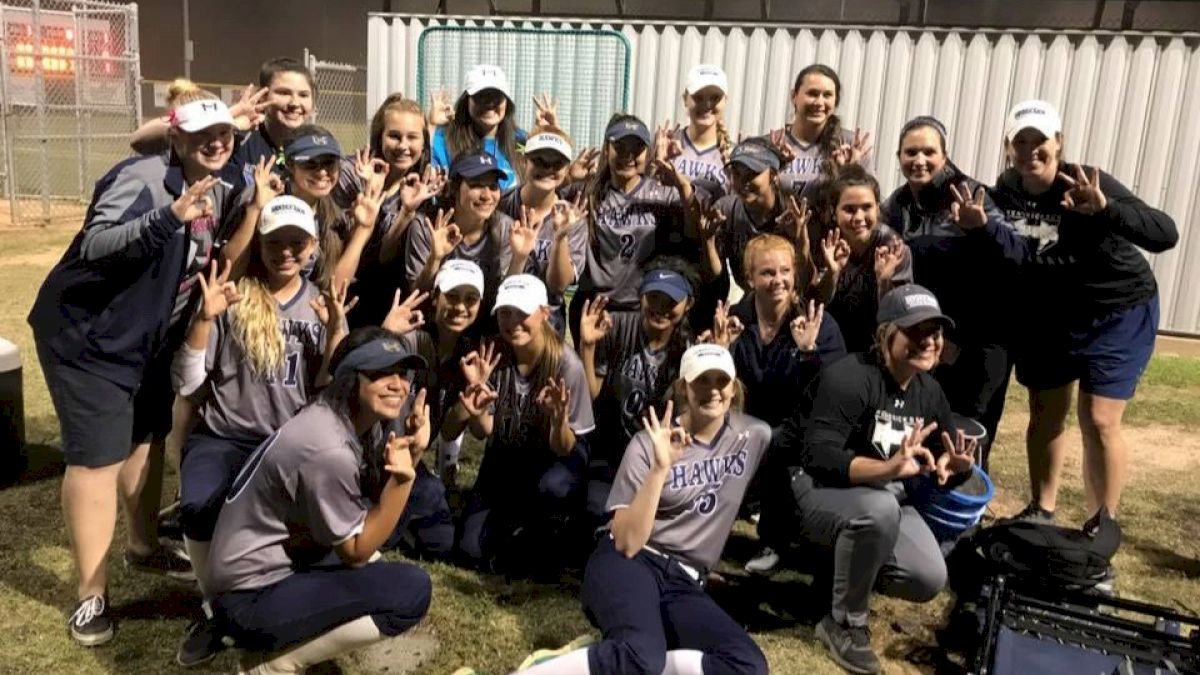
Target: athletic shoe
[(89, 624), (1032, 513), (200, 644), (544, 655), (849, 646), (165, 561), (763, 563), (169, 526), (1107, 586)]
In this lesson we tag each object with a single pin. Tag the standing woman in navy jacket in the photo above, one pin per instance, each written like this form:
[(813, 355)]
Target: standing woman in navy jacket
[(106, 323), (1092, 296), (958, 239)]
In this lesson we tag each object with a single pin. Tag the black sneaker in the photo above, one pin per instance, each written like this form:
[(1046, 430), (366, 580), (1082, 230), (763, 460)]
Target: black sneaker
[(1033, 513), (169, 526), (164, 561), (200, 644), (89, 624), (849, 646)]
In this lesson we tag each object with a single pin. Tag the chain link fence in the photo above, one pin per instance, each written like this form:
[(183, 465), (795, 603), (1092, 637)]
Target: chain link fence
[(69, 98), (341, 100)]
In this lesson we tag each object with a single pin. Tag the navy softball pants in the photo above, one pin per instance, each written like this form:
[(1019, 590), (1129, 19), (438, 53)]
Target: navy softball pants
[(647, 605)]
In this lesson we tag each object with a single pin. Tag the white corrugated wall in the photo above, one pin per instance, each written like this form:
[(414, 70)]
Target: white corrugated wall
[(1129, 101)]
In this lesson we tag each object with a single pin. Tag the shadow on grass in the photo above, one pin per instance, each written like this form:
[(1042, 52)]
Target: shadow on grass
[(1159, 556), (35, 462)]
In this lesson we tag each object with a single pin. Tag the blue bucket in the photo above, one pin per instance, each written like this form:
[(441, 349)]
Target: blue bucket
[(949, 513)]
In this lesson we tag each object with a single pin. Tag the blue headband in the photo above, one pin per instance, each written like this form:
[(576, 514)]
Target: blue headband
[(378, 354)]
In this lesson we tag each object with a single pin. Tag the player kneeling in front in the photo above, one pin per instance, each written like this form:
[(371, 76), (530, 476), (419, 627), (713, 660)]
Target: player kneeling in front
[(867, 433), (674, 501), (290, 576)]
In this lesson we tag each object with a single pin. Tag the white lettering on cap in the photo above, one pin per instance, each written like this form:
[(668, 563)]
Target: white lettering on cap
[(282, 207), (921, 300), (320, 140)]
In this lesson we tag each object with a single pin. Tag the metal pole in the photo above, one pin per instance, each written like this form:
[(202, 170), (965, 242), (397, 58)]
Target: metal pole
[(10, 176), (133, 62), (188, 50), (39, 86), (79, 72)]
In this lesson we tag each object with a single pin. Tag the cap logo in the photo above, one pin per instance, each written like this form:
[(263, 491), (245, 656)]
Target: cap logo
[(486, 160), (392, 346), (1030, 111), (663, 275), (320, 140), (281, 207), (920, 300), (209, 107)]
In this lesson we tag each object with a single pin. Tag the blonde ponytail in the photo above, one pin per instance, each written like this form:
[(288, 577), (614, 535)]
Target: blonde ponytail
[(178, 88), (724, 143), (255, 323)]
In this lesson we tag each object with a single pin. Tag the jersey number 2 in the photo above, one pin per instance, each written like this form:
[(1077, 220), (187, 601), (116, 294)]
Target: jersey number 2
[(628, 245)]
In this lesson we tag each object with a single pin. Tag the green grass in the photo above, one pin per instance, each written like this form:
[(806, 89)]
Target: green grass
[(482, 621)]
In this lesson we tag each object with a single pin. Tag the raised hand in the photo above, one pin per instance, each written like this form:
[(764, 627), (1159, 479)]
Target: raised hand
[(669, 441), (545, 111), (1085, 195), (522, 236), (417, 426), (668, 174), (585, 165), (477, 398), (727, 328), (709, 221), (477, 367), (416, 190), (398, 459), (367, 204), (794, 221), (370, 169), (331, 307), (404, 317), (267, 185), (595, 322), (967, 210), (194, 202), (218, 293), (779, 140), (887, 260), (555, 400), (958, 455), (444, 235), (835, 251), (913, 457), (566, 214), (666, 143), (807, 326), (250, 109), (853, 152), (441, 109)]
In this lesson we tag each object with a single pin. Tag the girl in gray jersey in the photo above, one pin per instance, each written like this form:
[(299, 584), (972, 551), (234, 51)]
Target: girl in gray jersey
[(632, 216), (815, 143), (293, 577), (547, 235), (258, 363), (535, 413), (469, 230), (631, 360), (701, 149), (676, 496)]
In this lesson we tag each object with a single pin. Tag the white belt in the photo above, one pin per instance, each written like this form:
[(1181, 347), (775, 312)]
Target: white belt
[(688, 569)]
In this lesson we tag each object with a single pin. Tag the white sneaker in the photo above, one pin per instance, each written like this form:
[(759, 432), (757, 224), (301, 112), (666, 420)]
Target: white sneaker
[(763, 563)]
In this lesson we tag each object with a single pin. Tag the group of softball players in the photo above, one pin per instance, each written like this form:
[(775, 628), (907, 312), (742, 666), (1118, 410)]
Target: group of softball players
[(651, 339)]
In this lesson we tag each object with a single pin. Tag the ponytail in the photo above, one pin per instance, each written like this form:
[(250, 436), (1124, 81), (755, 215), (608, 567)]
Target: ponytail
[(255, 322), (724, 143)]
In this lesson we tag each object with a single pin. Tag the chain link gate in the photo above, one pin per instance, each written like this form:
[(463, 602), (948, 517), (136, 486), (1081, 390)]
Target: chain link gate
[(69, 98), (341, 100)]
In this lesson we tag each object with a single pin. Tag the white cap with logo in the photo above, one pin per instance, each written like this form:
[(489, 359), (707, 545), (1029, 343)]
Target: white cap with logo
[(487, 77), (287, 211), (202, 114), (455, 273), (1033, 114), (701, 358), (548, 141), (706, 75), (522, 291)]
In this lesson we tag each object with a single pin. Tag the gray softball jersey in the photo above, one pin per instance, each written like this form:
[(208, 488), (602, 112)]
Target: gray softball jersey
[(246, 405), (628, 230), (806, 167), (705, 168), (702, 492), (297, 496), (485, 252), (538, 263)]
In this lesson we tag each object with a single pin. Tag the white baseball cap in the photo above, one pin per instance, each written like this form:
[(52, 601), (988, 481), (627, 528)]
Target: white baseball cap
[(1033, 114), (487, 77), (287, 211), (706, 75), (202, 114), (455, 273), (548, 141), (521, 291), (700, 359)]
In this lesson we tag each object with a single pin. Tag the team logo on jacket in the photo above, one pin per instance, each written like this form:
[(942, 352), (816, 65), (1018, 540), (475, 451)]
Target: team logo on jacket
[(890, 432)]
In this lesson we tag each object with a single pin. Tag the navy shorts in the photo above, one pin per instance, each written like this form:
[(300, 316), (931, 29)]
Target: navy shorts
[(101, 421), (206, 470), (1107, 355)]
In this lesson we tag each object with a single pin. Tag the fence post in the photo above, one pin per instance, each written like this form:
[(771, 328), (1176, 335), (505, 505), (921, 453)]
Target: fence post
[(80, 150), (133, 48), (10, 190), (39, 86)]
